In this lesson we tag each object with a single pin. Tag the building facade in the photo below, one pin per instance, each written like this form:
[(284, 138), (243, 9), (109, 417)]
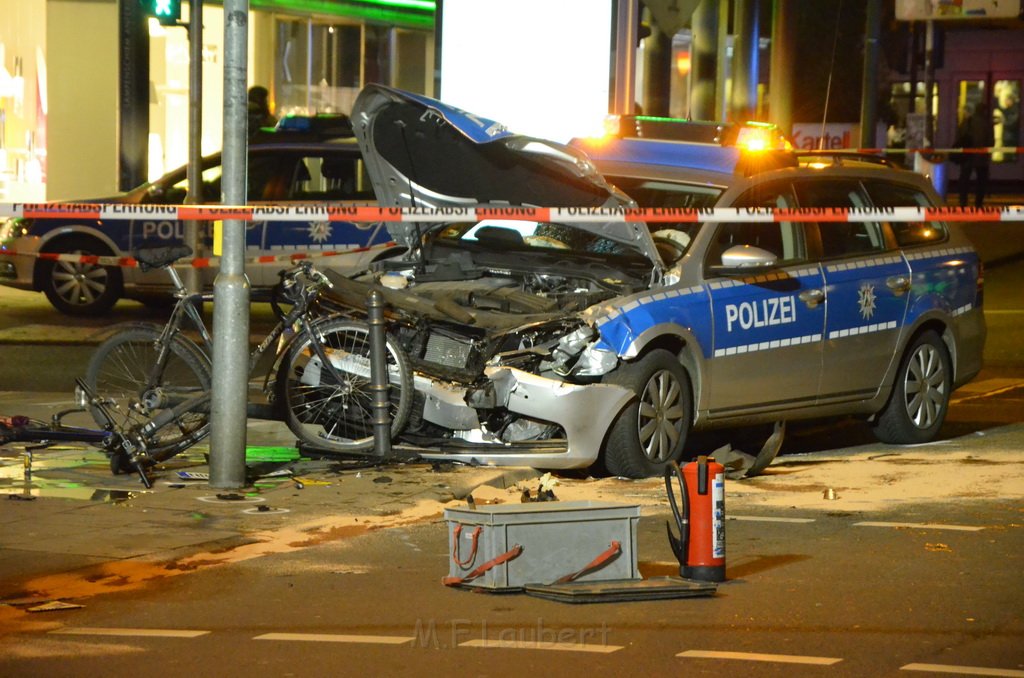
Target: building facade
[(59, 85)]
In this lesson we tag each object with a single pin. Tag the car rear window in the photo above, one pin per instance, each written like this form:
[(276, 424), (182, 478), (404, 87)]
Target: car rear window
[(888, 194)]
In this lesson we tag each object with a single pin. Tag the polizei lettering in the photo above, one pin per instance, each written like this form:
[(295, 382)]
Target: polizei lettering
[(763, 313)]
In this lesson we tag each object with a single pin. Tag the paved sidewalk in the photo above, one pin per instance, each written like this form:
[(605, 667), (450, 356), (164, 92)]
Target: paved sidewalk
[(67, 511)]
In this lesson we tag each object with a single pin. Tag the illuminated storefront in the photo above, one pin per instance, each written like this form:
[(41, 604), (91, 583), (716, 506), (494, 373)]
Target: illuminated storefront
[(60, 64)]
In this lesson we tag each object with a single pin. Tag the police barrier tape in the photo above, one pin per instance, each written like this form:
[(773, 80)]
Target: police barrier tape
[(250, 213), (366, 213), (978, 150), (195, 262)]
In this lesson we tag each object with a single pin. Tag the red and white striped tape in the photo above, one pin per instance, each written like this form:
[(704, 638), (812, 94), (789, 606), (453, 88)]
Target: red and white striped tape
[(367, 214), (195, 262)]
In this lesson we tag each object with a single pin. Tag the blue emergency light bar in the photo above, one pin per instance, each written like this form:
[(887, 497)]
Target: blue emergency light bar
[(705, 157)]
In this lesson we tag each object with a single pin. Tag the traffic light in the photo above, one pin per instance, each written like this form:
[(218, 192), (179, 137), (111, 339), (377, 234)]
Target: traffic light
[(167, 12)]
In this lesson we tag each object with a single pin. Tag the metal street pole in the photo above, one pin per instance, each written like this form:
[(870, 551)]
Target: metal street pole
[(195, 135), (231, 287), (929, 81), (743, 105), (869, 79), (783, 64), (704, 71), (624, 96)]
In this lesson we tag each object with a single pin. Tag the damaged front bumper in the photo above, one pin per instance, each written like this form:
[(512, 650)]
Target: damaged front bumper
[(584, 413)]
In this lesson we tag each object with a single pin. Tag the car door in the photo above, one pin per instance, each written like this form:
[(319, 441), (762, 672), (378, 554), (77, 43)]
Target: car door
[(866, 285), (331, 176), (767, 323)]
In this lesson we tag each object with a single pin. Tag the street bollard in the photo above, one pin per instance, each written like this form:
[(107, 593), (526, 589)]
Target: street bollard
[(379, 375)]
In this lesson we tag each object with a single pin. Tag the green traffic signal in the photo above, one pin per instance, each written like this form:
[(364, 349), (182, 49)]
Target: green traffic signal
[(167, 12)]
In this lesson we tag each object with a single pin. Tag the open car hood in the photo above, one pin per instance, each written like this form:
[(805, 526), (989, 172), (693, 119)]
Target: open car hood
[(420, 152)]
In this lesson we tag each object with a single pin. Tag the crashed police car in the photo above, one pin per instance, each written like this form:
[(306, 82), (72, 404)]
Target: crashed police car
[(568, 345)]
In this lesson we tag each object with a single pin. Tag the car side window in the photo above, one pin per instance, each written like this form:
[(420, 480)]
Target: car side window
[(784, 239), (888, 194), (270, 177), (840, 239), (332, 177)]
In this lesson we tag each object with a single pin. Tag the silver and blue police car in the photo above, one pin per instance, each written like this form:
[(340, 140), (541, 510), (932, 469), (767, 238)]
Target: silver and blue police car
[(305, 160), (567, 345)]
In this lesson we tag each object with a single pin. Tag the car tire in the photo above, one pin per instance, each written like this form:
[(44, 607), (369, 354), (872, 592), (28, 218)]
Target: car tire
[(80, 289), (920, 397), (652, 429)]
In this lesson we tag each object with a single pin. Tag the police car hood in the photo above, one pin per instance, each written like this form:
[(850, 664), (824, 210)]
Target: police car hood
[(420, 152)]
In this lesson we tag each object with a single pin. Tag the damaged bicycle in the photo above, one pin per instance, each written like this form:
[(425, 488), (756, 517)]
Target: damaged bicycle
[(153, 382)]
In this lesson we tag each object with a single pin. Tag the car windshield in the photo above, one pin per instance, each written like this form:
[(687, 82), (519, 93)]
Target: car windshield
[(539, 237)]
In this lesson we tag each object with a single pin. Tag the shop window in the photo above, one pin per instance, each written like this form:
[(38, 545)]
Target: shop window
[(902, 105), (1006, 118), (318, 67)]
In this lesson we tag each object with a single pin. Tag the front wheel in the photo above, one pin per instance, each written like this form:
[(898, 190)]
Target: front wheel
[(124, 374), (920, 397), (651, 431), (331, 406)]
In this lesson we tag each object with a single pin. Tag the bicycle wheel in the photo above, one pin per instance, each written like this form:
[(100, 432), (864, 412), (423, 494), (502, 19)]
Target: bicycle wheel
[(339, 416), (121, 373)]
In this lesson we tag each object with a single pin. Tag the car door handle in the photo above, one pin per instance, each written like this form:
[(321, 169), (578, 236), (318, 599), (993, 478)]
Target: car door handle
[(812, 297), (899, 284)]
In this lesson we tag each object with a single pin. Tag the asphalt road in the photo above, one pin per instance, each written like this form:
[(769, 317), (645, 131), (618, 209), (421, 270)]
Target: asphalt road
[(808, 594)]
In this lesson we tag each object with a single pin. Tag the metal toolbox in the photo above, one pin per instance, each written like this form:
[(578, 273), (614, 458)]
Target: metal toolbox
[(507, 546)]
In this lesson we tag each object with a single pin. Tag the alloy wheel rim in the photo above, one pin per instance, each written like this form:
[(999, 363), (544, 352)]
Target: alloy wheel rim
[(78, 283), (661, 416), (925, 387)]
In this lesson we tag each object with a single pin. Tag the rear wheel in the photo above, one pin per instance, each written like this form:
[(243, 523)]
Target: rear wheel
[(77, 288), (338, 415), (121, 373), (920, 396), (651, 431)]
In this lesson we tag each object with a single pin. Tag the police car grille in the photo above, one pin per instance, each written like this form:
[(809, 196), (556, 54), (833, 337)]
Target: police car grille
[(447, 351)]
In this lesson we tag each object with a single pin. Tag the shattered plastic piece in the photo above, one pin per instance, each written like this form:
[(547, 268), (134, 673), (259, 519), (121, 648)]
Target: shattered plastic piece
[(22, 602), (309, 481), (542, 495), (255, 454), (54, 605)]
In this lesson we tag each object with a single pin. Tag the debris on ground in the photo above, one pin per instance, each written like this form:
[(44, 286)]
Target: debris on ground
[(54, 606)]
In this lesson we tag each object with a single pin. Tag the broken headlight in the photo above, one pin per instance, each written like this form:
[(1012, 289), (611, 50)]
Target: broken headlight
[(576, 355)]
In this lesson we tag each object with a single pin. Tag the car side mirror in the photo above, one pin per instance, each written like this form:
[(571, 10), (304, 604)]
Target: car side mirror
[(744, 258)]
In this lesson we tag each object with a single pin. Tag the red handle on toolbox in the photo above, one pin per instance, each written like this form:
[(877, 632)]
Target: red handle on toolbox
[(503, 558), (610, 553), (455, 549)]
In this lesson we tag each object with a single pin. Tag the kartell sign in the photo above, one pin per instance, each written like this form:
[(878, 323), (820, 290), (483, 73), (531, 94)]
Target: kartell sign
[(809, 136)]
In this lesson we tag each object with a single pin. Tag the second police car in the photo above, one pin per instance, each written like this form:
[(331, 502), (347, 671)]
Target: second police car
[(305, 160), (558, 345)]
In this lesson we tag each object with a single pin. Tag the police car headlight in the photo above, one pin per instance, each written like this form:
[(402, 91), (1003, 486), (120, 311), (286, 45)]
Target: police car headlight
[(595, 362), (576, 355)]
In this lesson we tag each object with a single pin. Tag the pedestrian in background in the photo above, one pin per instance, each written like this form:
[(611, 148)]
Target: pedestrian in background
[(259, 109), (975, 132)]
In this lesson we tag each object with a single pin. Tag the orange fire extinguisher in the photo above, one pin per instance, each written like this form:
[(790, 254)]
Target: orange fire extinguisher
[(700, 547)]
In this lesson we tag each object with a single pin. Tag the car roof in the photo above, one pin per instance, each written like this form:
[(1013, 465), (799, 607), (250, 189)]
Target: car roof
[(731, 168)]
